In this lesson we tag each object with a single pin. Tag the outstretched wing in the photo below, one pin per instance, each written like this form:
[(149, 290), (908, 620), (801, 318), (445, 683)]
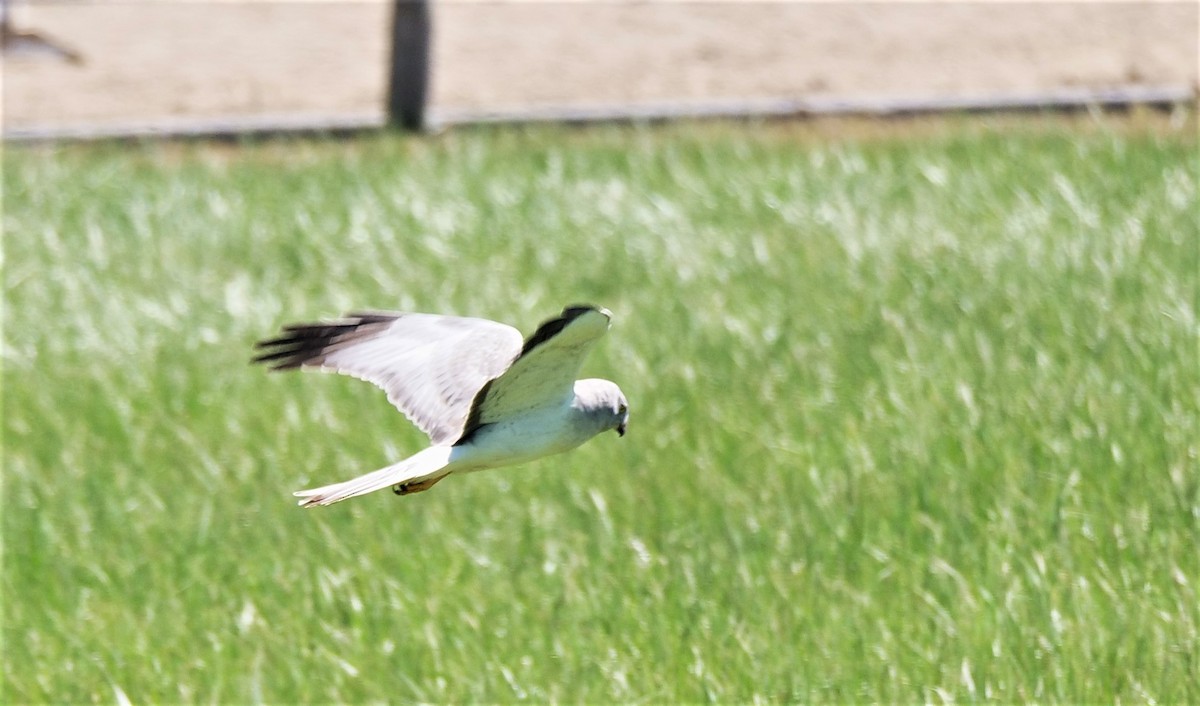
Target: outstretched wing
[(544, 373), (432, 367)]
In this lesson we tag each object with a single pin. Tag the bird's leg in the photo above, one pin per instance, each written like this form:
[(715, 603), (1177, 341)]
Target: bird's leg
[(415, 486)]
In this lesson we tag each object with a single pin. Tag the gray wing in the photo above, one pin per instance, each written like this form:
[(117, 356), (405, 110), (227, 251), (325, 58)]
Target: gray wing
[(432, 367), (544, 373)]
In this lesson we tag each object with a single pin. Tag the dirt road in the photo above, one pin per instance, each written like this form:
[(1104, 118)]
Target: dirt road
[(153, 60)]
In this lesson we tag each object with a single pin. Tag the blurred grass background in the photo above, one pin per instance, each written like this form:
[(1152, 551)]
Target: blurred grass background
[(914, 417)]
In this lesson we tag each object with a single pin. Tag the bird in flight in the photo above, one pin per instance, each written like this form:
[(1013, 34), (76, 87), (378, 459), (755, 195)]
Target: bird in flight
[(485, 396)]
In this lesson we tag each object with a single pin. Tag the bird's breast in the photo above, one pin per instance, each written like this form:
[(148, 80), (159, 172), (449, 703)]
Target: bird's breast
[(528, 436)]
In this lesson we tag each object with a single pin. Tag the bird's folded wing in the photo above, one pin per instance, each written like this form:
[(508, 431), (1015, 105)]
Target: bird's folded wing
[(431, 366), (545, 372)]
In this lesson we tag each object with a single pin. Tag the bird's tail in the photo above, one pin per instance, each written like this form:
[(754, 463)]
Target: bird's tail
[(430, 464)]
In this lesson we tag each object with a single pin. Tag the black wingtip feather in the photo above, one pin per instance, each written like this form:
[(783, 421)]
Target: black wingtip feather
[(305, 344), (550, 329)]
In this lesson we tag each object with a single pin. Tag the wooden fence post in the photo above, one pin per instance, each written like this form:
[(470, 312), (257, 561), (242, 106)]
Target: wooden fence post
[(409, 77)]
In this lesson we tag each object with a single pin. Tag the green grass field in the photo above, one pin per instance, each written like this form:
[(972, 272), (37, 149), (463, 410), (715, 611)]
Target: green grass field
[(914, 418)]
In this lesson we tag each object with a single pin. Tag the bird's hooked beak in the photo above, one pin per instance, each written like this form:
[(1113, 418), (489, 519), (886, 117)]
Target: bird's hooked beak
[(621, 429)]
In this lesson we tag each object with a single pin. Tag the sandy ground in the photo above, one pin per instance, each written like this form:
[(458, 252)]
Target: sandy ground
[(156, 59)]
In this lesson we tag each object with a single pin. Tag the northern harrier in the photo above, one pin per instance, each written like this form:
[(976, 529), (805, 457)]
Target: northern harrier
[(485, 397)]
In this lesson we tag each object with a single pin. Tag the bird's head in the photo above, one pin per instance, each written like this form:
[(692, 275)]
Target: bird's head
[(605, 402)]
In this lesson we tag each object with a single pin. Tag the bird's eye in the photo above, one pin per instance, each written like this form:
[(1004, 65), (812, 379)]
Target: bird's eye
[(621, 409)]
